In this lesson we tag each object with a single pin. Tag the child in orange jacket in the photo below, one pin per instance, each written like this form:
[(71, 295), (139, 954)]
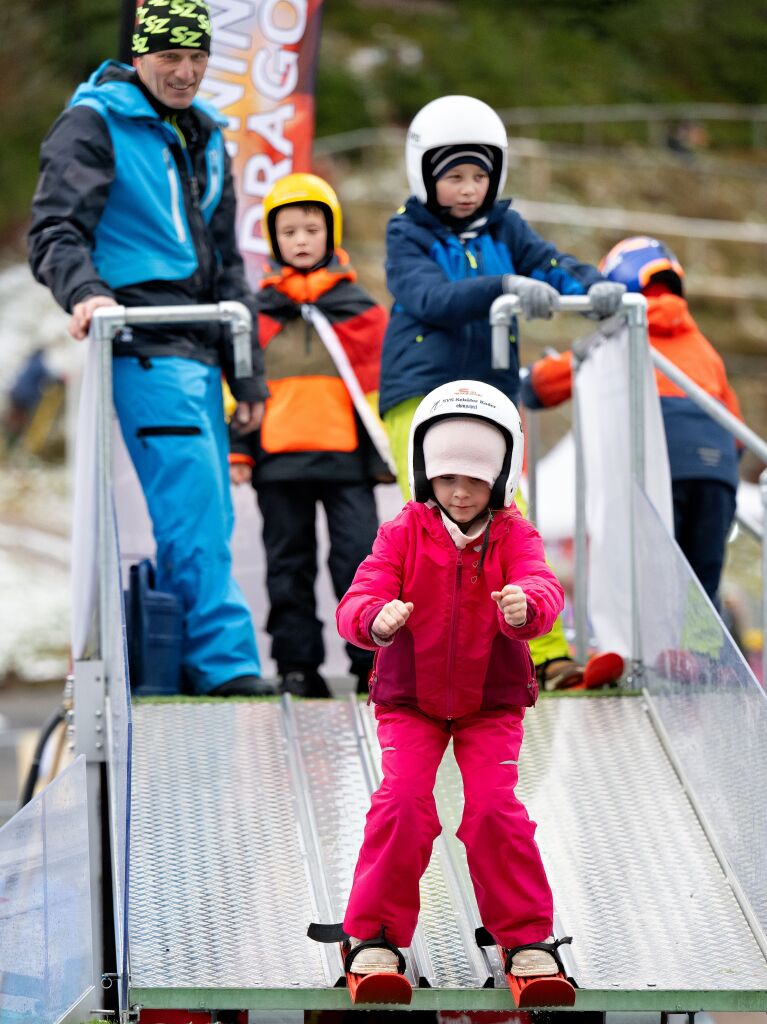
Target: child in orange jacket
[(320, 439), (703, 456)]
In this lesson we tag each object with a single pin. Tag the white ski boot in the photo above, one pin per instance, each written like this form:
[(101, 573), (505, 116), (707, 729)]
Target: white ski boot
[(538, 963), (374, 960)]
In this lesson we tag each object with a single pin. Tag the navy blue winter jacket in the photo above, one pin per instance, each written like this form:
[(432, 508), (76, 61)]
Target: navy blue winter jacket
[(443, 288)]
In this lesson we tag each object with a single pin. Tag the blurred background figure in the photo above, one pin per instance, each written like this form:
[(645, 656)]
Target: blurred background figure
[(686, 138), (34, 406)]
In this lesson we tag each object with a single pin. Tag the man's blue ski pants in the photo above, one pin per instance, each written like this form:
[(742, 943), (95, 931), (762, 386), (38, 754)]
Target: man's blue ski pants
[(171, 415)]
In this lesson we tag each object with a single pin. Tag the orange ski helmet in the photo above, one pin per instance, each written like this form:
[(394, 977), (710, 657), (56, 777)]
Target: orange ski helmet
[(300, 189)]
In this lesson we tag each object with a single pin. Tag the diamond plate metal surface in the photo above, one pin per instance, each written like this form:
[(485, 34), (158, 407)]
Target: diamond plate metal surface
[(337, 790), (635, 880), (335, 755), (222, 880), (219, 895)]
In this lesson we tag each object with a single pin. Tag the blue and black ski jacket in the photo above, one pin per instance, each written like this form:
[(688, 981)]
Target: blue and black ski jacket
[(443, 288), (132, 206)]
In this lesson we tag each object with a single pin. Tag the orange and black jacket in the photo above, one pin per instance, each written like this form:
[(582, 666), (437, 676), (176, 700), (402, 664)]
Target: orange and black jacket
[(699, 449), (310, 429)]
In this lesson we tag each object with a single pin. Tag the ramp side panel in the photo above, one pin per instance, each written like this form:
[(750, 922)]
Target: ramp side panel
[(218, 873), (709, 702), (46, 949)]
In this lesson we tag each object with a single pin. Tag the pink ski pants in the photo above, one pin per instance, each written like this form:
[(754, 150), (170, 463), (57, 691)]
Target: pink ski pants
[(505, 864)]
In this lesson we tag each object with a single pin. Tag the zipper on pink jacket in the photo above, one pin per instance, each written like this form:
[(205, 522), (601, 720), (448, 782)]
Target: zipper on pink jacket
[(453, 631)]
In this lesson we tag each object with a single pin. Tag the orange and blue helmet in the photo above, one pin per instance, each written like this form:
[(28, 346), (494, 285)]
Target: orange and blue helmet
[(634, 261)]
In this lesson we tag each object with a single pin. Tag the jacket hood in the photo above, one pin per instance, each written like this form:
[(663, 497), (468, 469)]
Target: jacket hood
[(113, 84), (422, 216), (668, 315)]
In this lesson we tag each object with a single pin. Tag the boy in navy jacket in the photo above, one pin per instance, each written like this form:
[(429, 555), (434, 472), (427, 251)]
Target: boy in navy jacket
[(451, 250)]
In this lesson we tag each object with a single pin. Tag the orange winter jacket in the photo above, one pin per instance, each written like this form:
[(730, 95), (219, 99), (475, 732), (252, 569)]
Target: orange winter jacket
[(310, 428), (674, 333)]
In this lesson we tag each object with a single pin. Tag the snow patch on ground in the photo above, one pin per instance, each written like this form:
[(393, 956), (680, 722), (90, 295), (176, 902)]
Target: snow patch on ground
[(34, 611), (35, 498)]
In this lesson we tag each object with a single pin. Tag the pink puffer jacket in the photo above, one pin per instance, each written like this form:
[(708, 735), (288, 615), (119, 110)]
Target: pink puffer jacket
[(456, 654)]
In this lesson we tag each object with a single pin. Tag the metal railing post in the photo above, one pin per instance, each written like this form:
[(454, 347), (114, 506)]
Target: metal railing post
[(763, 494), (501, 312), (532, 454), (104, 324), (635, 308), (580, 557)]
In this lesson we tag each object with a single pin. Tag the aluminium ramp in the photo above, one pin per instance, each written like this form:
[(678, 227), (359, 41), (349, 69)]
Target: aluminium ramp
[(247, 817)]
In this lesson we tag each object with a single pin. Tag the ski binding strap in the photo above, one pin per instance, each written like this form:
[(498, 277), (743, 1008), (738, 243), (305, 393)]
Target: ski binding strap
[(484, 938), (335, 933)]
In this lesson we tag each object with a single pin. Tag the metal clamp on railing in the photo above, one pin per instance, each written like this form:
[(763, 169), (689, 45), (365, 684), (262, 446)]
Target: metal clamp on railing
[(108, 319)]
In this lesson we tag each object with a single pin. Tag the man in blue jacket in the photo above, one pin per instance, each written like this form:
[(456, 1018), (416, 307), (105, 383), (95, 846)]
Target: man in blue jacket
[(135, 206)]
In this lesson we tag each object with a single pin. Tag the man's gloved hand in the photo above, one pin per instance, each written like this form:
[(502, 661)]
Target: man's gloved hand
[(605, 298), (538, 300)]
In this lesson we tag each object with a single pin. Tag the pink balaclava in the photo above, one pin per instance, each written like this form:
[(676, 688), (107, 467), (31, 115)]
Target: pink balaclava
[(464, 446)]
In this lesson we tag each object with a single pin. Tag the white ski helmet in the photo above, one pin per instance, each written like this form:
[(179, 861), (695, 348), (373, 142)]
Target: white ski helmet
[(468, 398), (450, 121)]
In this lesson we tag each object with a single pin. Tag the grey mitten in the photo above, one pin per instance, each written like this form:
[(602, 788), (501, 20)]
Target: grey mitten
[(537, 300), (605, 298)]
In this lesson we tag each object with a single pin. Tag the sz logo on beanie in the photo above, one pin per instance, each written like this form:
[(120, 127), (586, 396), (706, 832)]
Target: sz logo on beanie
[(171, 25)]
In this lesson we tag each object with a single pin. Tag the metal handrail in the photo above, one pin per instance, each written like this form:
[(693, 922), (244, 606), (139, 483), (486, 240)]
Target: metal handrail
[(588, 114), (712, 406), (621, 112)]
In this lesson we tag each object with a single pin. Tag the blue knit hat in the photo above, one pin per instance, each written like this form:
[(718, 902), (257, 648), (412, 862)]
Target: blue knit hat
[(445, 158)]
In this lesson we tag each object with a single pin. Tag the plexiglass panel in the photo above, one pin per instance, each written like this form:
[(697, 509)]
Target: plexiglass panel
[(710, 705), (46, 962)]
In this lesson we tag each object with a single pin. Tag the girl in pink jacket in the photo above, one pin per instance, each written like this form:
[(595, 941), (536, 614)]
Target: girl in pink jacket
[(454, 588)]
